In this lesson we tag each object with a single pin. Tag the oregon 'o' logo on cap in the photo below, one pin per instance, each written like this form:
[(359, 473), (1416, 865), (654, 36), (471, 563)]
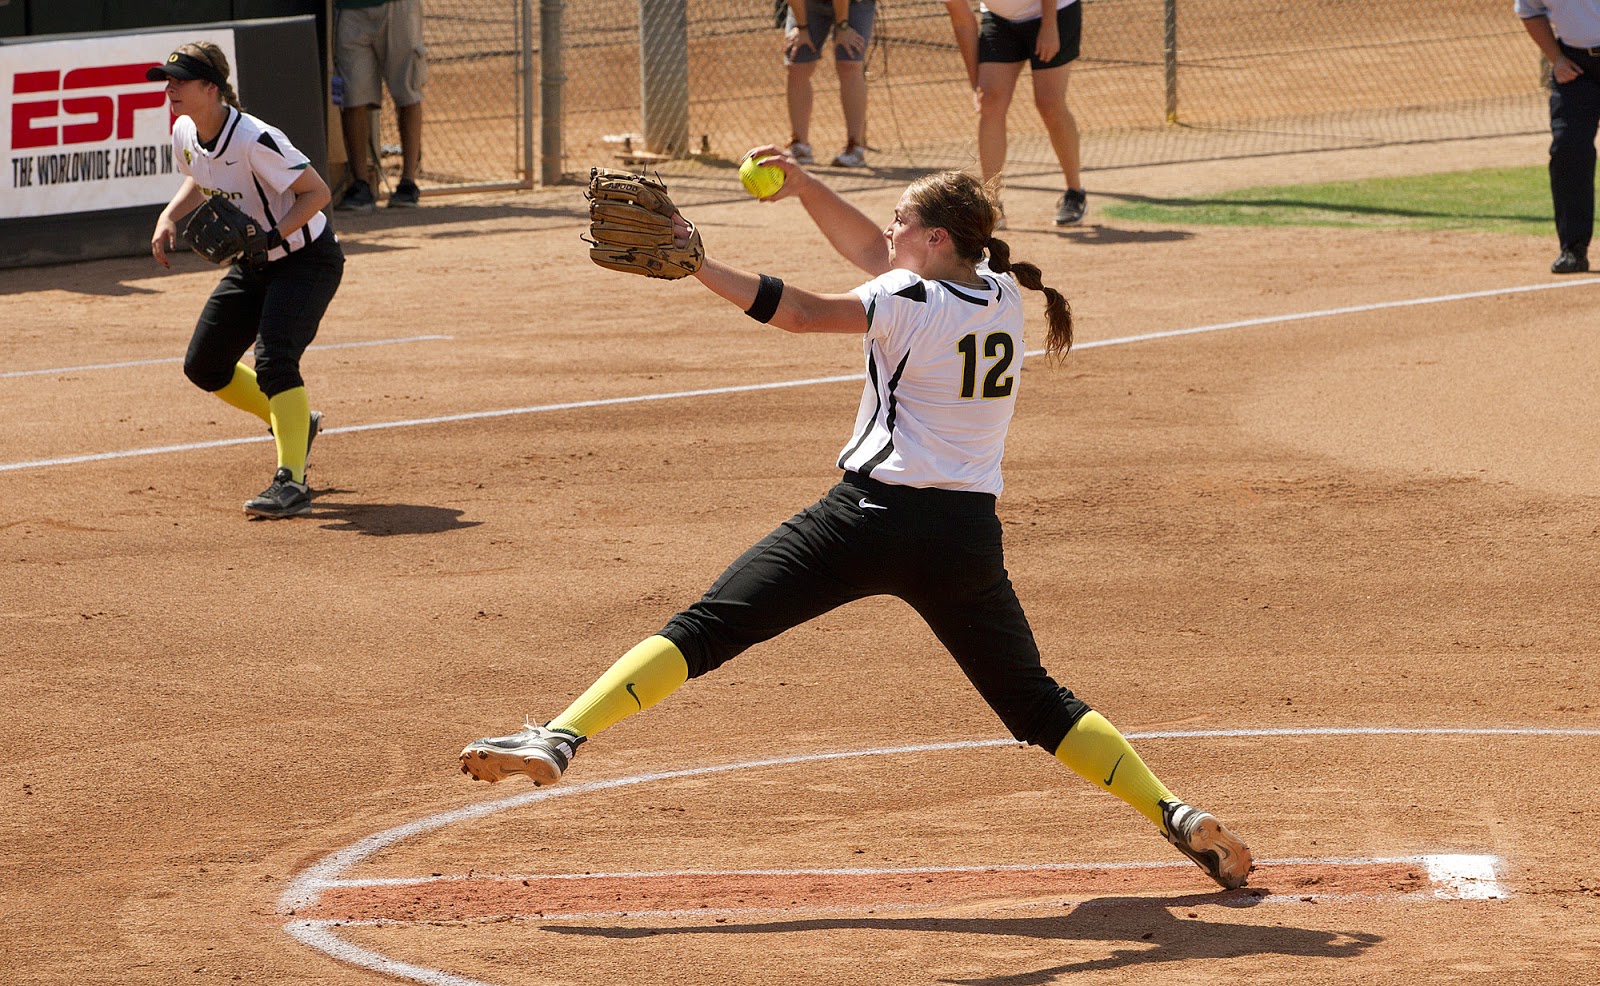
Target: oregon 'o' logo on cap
[(172, 57)]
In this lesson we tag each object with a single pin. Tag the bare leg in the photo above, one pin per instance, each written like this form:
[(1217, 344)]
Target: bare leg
[(411, 140), (997, 81), (357, 126), (1050, 96), (853, 99), (798, 91)]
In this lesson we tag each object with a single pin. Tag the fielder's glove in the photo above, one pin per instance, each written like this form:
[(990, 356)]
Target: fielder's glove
[(630, 222), (220, 231)]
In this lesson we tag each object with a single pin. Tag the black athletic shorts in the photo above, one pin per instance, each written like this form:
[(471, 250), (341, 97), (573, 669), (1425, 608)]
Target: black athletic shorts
[(1000, 40), (939, 550)]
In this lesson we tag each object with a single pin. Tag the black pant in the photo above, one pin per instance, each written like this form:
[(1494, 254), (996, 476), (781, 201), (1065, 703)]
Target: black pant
[(1574, 115), (277, 308), (939, 550)]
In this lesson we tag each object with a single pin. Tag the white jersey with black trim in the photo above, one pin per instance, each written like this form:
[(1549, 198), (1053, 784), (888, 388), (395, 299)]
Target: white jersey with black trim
[(253, 164), (943, 365)]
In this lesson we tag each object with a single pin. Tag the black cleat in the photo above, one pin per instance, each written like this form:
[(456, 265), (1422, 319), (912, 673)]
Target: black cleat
[(284, 498)]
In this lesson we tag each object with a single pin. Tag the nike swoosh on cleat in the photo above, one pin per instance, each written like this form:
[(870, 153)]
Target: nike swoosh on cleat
[(1114, 770), (866, 504), (634, 696)]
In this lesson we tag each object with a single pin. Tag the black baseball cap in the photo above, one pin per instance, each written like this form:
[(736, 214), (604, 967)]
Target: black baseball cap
[(181, 66)]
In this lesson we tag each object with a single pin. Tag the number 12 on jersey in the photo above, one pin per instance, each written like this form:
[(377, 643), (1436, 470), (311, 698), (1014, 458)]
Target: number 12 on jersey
[(997, 346)]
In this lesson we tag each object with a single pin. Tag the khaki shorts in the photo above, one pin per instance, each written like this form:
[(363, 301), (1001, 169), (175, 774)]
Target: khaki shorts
[(382, 45)]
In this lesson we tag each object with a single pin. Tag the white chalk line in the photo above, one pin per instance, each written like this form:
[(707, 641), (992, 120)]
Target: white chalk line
[(781, 384), (305, 887), (1445, 861), (159, 360)]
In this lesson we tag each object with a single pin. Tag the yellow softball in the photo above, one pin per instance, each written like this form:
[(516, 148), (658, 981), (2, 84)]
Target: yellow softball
[(760, 180)]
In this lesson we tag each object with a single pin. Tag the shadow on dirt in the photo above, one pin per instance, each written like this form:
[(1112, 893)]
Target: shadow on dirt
[(386, 519), (1097, 234), (1152, 927)]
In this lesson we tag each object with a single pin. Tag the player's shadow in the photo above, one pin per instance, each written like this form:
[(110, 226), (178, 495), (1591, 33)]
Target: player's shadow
[(385, 519), (1149, 926), (1097, 234)]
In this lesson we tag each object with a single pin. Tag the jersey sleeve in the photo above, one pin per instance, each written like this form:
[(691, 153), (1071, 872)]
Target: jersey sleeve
[(892, 302), (276, 162), (180, 141)]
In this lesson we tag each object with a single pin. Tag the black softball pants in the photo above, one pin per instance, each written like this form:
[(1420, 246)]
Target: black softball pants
[(277, 308), (939, 550)]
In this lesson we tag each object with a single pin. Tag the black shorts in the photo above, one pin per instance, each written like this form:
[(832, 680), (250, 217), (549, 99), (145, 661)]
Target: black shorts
[(1000, 40), (939, 550)]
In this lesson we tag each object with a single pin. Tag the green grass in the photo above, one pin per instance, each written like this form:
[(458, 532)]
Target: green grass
[(1498, 200)]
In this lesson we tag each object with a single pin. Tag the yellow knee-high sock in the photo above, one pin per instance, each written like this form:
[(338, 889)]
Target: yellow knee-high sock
[(291, 427), (645, 675), (245, 394), (1094, 749)]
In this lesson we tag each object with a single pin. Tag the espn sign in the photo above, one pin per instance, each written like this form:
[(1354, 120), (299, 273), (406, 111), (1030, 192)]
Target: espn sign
[(82, 129), (102, 94)]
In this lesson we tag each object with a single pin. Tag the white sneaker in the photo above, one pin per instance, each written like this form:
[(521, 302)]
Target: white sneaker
[(853, 156), (537, 752), (800, 152), (1198, 835)]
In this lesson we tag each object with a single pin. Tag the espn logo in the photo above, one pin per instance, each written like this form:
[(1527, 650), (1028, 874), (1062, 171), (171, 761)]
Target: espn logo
[(42, 97)]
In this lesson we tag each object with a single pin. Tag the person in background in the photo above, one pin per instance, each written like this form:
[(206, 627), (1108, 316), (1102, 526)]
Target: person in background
[(378, 43), (806, 30), (1568, 33), (1014, 32), (274, 301)]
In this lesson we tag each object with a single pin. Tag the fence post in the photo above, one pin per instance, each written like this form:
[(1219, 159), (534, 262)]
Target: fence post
[(551, 78), (1171, 59), (664, 75)]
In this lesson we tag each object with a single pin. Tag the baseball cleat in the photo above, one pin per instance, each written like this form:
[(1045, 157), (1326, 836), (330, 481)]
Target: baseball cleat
[(1200, 836), (284, 498), (539, 752)]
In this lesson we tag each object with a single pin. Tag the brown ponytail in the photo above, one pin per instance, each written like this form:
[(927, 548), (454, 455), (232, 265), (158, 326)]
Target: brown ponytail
[(963, 206), (1058, 341)]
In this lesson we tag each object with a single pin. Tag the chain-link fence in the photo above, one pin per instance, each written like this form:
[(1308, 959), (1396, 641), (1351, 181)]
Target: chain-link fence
[(475, 123), (681, 83)]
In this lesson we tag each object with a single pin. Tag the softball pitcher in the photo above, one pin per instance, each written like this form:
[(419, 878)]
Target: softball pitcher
[(273, 300), (914, 513)]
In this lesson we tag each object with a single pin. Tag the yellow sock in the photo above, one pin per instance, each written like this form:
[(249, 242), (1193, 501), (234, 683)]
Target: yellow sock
[(291, 427), (645, 675), (245, 394), (1094, 749)]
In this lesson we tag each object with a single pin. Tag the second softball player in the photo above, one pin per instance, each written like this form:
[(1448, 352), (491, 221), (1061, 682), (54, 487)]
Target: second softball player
[(275, 306)]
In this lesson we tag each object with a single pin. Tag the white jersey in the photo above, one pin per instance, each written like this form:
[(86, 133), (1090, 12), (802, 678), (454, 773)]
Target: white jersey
[(1020, 10), (253, 164), (943, 365)]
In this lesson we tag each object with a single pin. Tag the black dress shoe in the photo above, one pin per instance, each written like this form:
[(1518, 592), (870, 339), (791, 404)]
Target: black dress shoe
[(1570, 262)]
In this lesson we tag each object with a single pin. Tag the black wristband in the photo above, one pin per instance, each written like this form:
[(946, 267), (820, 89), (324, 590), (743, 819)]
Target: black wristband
[(767, 296)]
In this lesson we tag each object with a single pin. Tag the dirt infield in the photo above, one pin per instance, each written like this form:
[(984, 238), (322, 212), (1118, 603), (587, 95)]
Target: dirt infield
[(1335, 518)]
